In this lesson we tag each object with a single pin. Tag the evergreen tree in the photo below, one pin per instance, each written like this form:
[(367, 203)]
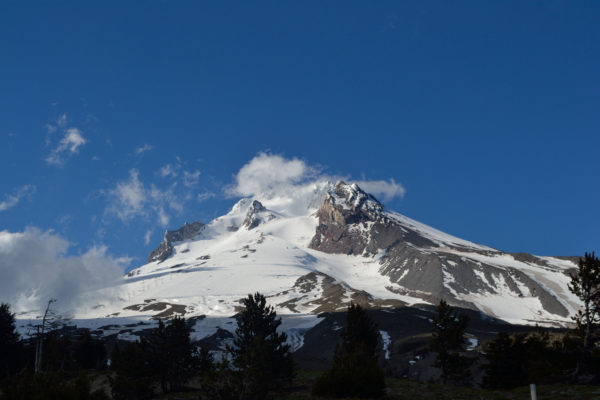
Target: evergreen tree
[(585, 284), (505, 362), (448, 340), (261, 358), (355, 371), (88, 352), (172, 355), (9, 341), (134, 378), (165, 356)]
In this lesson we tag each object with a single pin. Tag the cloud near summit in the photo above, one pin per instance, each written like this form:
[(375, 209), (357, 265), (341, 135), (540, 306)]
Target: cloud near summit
[(272, 175), (266, 173)]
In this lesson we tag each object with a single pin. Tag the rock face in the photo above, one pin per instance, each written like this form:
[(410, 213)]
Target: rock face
[(256, 215), (353, 222), (165, 248)]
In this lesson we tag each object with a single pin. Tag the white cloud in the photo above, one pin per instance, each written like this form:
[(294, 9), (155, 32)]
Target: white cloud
[(128, 197), (169, 170), (50, 128), (191, 179), (35, 268), (18, 194), (68, 145), (147, 237), (133, 199), (267, 172), (384, 189), (291, 185), (143, 148), (62, 120), (205, 196)]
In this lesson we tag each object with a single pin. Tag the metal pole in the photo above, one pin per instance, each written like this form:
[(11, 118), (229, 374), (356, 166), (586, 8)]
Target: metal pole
[(533, 391)]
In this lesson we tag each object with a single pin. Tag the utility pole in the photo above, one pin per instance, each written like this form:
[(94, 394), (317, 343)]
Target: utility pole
[(533, 391), (40, 338)]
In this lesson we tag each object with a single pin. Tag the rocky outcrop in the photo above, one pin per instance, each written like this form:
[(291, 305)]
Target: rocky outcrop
[(257, 214), (316, 293), (353, 222), (165, 248)]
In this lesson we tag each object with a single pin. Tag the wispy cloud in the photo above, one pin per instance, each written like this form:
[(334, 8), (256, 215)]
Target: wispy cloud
[(169, 170), (205, 196), (144, 148), (11, 200), (147, 237), (132, 198), (62, 120), (128, 197), (69, 144), (387, 190), (190, 179)]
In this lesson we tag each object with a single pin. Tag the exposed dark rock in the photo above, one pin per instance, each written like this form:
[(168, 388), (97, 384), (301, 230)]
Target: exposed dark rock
[(165, 310), (353, 222), (332, 295), (256, 215), (165, 248)]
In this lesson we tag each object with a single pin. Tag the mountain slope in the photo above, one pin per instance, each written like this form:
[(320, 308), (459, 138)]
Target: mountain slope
[(341, 245)]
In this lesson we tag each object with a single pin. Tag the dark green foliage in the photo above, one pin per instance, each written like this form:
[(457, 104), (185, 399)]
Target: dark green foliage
[(447, 341), (10, 345), (49, 386), (69, 352), (355, 371), (171, 354), (134, 375), (585, 284), (520, 359), (505, 368), (220, 382), (88, 352), (261, 358), (166, 356)]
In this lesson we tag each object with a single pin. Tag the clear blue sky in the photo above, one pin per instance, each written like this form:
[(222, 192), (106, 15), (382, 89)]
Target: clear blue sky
[(487, 113)]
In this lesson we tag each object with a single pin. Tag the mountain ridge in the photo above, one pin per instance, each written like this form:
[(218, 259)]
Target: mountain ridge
[(349, 248)]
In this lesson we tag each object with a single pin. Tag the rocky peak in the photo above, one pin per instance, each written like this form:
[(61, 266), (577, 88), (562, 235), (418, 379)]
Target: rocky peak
[(165, 248), (349, 204), (345, 221), (257, 214)]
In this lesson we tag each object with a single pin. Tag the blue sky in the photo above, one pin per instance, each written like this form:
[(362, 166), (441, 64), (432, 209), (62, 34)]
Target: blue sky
[(486, 113)]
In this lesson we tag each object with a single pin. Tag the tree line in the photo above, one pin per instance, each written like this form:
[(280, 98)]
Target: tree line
[(542, 357), (258, 361)]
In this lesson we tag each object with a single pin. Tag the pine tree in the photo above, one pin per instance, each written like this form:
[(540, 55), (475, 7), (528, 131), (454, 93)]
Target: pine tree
[(260, 355), (585, 284), (134, 374), (9, 341), (505, 362), (181, 360), (355, 371), (448, 339)]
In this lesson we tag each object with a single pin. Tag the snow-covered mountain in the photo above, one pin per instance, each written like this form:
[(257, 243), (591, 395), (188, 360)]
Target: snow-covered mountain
[(317, 251)]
